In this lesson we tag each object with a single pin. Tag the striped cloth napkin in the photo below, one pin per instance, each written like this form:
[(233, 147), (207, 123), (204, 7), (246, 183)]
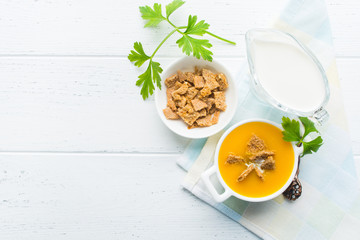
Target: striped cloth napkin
[(329, 207)]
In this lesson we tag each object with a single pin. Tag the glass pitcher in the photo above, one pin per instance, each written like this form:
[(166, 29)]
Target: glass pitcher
[(286, 74)]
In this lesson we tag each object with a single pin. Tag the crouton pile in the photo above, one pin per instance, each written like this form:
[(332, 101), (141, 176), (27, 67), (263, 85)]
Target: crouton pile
[(259, 158), (197, 98)]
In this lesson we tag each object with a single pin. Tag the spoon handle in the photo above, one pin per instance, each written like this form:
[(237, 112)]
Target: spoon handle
[(294, 191)]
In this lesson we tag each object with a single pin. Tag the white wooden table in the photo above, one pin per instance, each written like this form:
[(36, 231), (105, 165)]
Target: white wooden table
[(82, 155)]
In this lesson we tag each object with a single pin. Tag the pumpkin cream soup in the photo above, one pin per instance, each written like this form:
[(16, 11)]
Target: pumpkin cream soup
[(254, 160)]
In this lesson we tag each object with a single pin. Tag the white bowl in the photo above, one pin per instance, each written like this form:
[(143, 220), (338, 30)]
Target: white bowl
[(228, 191), (187, 64)]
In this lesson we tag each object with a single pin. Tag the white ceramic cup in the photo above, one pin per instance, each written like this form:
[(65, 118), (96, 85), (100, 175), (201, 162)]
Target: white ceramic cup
[(220, 197)]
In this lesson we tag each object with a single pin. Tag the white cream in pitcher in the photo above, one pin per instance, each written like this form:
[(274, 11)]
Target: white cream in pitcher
[(288, 74)]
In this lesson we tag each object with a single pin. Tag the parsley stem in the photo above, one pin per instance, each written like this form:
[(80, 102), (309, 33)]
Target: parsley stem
[(171, 23), (223, 39), (162, 42), (176, 28), (211, 34)]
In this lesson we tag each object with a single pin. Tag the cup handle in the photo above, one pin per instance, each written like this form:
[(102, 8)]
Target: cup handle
[(205, 176)]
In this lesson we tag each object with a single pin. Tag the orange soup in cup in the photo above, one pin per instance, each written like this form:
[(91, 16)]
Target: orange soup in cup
[(252, 186)]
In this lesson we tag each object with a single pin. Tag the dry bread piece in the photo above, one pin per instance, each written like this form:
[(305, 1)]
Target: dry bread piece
[(255, 145), (170, 81), (189, 118), (203, 113), (188, 108), (170, 114), (210, 102), (198, 104), (181, 103), (245, 173), (258, 157), (268, 164), (258, 152), (259, 173), (204, 121), (206, 91), (170, 101), (234, 159), (191, 93), (221, 79), (177, 85), (199, 82), (261, 155), (191, 97), (210, 79), (192, 126), (215, 118), (180, 91), (211, 84), (190, 77), (220, 101), (208, 120), (207, 74), (212, 109), (182, 76)]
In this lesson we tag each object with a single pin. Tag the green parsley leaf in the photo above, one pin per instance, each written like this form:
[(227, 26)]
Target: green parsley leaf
[(171, 7), (189, 45), (138, 56), (196, 46), (148, 78), (196, 28), (291, 131), (153, 16), (312, 146), (308, 125), (156, 70), (145, 81)]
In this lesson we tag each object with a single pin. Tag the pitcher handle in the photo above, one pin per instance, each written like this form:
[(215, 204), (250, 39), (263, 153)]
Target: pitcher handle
[(321, 116)]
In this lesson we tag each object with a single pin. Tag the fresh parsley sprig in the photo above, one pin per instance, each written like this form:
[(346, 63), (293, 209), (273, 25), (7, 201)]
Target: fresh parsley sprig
[(199, 48), (292, 133)]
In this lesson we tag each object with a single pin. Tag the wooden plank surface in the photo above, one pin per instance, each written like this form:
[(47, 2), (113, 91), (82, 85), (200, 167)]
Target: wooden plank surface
[(82, 156), (97, 196), (109, 27), (77, 105), (89, 104)]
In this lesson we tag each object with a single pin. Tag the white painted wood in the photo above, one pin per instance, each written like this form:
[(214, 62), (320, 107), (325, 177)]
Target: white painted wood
[(109, 27), (86, 104), (66, 86), (80, 104), (96, 196)]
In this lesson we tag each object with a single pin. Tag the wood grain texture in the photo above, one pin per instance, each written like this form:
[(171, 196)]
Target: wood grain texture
[(89, 104), (109, 27), (66, 86), (78, 104), (96, 196)]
